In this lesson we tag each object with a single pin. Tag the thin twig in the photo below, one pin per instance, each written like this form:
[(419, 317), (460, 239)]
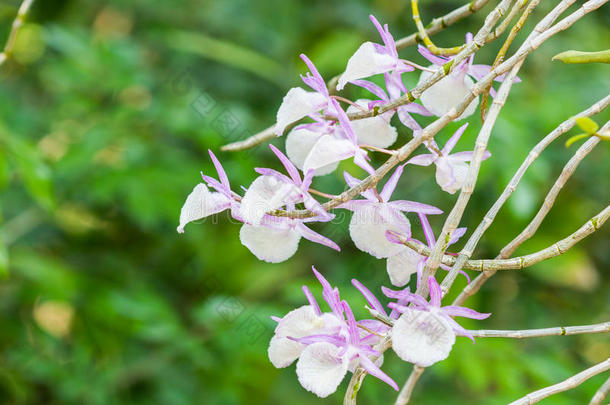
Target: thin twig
[(601, 393), (502, 53), (489, 217), (423, 34), (17, 24), (603, 327), (407, 390), (570, 383)]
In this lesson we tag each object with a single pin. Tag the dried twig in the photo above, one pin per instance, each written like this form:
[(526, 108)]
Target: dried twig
[(570, 383), (601, 394), (17, 24)]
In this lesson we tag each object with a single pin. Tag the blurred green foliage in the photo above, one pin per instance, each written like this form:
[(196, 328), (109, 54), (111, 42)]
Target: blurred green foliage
[(106, 114)]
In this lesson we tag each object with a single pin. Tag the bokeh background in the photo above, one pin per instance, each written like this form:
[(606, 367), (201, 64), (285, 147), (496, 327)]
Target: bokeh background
[(106, 114)]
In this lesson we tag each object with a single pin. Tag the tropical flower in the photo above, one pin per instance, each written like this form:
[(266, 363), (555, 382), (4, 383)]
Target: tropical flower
[(277, 239), (425, 332), (371, 58), (450, 90), (376, 214), (202, 202), (451, 170), (299, 103), (334, 346), (402, 265)]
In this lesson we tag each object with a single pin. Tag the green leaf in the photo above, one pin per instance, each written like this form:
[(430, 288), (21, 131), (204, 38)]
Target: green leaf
[(35, 173), (576, 138), (587, 125), (3, 259), (583, 57)]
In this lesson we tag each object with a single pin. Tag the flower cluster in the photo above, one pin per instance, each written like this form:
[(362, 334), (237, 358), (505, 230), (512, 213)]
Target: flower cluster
[(328, 344)]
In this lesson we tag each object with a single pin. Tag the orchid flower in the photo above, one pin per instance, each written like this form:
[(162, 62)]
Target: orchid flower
[(338, 146), (450, 90), (451, 170), (402, 265), (371, 59), (301, 140), (376, 214), (273, 190), (299, 103), (202, 202), (395, 90), (425, 332), (277, 239), (334, 347)]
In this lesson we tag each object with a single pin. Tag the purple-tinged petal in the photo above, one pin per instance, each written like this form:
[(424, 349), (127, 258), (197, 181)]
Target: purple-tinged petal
[(369, 296), (422, 160), (344, 122), (316, 237), (457, 328), (312, 300), (354, 336), (435, 292), (351, 181), (395, 237), (453, 140), (275, 318), (355, 205), (290, 168), (375, 371), (390, 185), (315, 81), (456, 235), (416, 108), (437, 60), (222, 175), (365, 62), (412, 206), (311, 339), (454, 310), (428, 233), (372, 87), (273, 173)]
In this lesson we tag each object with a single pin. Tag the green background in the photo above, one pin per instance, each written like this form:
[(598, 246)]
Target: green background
[(106, 114)]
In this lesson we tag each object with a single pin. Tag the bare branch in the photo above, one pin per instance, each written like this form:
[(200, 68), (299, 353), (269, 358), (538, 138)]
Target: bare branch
[(570, 383), (405, 393), (17, 23), (603, 327), (601, 393)]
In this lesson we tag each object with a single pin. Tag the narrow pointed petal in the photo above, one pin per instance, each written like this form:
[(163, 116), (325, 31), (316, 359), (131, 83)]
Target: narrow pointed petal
[(299, 143), (416, 108), (316, 237), (222, 175), (437, 60), (365, 62), (201, 203), (265, 194), (406, 119), (413, 206), (428, 233), (375, 371), (369, 296), (320, 370), (290, 168), (353, 182), (271, 245), (297, 104), (435, 292), (467, 156), (453, 310), (312, 300), (454, 140), (422, 338), (373, 88), (390, 185), (456, 235), (422, 160)]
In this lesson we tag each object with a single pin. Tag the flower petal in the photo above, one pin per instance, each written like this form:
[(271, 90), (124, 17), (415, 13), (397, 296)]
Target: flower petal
[(374, 131), (402, 265), (422, 338), (283, 351), (365, 62), (316, 237), (447, 93), (368, 228), (271, 245), (297, 104), (328, 150), (320, 369), (266, 193), (201, 203), (451, 174), (299, 143)]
